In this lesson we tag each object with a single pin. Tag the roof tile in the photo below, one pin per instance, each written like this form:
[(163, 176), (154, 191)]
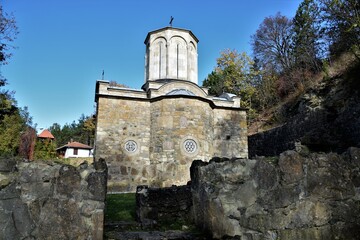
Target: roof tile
[(46, 134)]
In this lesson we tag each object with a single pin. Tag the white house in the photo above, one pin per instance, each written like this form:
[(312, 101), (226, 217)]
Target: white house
[(74, 150)]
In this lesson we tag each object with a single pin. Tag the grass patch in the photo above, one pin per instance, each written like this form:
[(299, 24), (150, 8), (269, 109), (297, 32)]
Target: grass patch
[(74, 161), (120, 207)]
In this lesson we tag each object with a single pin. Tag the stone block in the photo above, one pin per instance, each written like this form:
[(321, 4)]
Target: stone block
[(7, 165), (96, 182), (51, 201), (5, 180), (291, 167), (308, 196), (68, 181)]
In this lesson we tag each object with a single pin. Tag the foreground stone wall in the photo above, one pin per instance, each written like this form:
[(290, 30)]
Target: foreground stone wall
[(45, 200), (295, 196), (155, 205)]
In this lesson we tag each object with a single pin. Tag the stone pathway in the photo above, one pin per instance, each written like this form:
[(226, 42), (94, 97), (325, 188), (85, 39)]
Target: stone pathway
[(134, 231)]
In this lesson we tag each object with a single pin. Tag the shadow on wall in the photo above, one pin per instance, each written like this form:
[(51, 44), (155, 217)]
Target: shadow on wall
[(311, 196)]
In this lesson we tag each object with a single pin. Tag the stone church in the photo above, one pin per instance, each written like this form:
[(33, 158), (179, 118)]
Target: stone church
[(150, 136)]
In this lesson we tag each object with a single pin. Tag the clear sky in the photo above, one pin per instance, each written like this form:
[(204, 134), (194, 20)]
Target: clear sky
[(64, 45)]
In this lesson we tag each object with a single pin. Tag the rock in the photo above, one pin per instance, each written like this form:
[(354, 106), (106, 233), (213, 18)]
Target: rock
[(96, 182), (7, 165), (68, 182), (291, 164), (326, 118), (45, 200), (304, 196), (100, 165), (265, 175), (4, 180), (11, 191), (17, 215)]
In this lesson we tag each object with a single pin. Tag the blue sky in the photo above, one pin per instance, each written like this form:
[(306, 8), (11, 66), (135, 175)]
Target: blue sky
[(64, 45)]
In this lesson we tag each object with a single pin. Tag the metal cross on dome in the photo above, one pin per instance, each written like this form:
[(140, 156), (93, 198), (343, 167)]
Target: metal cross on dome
[(171, 20)]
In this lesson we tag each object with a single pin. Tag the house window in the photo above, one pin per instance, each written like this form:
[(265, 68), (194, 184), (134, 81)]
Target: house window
[(75, 151)]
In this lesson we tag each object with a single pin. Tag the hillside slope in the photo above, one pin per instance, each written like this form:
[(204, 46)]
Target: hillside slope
[(326, 117)]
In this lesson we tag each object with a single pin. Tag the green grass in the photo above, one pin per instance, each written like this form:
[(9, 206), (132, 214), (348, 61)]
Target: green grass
[(120, 207)]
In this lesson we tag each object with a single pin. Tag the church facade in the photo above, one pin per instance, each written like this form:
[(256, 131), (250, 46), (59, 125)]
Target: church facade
[(150, 136)]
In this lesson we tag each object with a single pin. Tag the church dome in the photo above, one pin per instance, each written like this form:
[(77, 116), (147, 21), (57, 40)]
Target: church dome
[(171, 53)]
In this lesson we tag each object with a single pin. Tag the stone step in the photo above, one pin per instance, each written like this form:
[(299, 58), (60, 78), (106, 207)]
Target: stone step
[(152, 235)]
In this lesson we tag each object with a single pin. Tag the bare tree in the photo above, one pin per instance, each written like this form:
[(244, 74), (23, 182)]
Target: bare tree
[(272, 43), (8, 32)]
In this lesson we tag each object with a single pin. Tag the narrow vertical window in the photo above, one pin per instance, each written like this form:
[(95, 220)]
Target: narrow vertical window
[(177, 60), (75, 151), (147, 62), (159, 59)]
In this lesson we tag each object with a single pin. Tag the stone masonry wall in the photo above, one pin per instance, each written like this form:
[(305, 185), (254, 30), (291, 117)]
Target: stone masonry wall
[(172, 122), (295, 196), (45, 200), (285, 137), (160, 129), (118, 121), (230, 133)]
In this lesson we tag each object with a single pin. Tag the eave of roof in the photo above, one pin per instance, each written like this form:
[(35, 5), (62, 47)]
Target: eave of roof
[(75, 145), (166, 28)]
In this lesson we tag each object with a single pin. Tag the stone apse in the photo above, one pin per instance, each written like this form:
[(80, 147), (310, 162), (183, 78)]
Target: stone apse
[(150, 136)]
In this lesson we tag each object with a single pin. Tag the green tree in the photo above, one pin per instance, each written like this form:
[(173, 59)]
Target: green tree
[(16, 131), (266, 94), (81, 131), (89, 127), (214, 83), (341, 21), (306, 36), (7, 104), (234, 73), (10, 130), (45, 149)]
